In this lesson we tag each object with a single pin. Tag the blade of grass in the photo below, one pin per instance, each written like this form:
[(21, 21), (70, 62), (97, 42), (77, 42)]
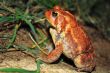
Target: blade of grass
[(42, 41), (15, 70), (21, 47), (30, 25), (38, 66), (14, 36), (25, 17), (1, 47), (40, 20), (5, 36), (7, 19), (42, 35)]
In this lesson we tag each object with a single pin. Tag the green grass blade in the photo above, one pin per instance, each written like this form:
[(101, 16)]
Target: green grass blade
[(13, 70), (8, 70), (1, 47), (38, 66), (13, 37), (30, 25), (7, 19), (41, 34)]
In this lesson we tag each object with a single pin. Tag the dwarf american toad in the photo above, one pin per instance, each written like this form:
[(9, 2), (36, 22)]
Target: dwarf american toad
[(70, 39)]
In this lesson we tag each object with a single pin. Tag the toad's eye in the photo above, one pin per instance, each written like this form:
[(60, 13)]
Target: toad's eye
[(54, 14)]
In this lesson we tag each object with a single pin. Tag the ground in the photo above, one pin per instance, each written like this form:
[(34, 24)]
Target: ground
[(18, 59)]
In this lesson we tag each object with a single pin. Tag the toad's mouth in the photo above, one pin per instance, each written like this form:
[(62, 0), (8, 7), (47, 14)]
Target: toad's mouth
[(49, 25)]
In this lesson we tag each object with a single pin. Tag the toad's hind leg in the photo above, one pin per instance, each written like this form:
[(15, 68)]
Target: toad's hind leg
[(85, 62)]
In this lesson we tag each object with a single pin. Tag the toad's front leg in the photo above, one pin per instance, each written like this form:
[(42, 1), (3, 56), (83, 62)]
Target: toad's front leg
[(55, 54)]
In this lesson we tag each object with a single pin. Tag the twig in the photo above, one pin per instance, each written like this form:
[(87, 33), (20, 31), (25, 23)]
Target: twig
[(7, 8), (40, 20), (37, 44)]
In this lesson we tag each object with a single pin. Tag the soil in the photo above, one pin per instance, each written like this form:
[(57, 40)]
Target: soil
[(19, 59)]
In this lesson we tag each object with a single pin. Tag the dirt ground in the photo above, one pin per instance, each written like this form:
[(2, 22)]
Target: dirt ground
[(18, 59)]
